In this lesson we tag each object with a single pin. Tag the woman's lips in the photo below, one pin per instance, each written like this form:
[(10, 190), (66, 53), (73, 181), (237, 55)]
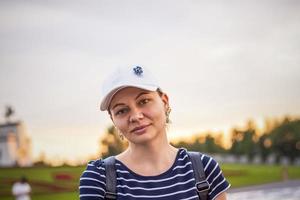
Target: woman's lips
[(140, 129)]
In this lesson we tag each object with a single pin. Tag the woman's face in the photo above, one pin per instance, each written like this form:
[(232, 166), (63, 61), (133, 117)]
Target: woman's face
[(139, 114)]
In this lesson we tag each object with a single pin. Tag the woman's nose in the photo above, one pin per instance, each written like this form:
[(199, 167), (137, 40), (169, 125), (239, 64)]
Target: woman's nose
[(136, 115)]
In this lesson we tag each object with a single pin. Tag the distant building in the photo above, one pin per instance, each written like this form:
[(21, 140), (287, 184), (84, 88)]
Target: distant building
[(15, 146)]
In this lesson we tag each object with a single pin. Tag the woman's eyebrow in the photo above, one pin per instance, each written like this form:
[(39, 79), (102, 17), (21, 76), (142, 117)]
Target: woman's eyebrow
[(140, 94), (118, 104), (122, 104)]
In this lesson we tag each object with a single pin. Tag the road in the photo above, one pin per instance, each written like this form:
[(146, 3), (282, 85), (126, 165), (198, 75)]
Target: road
[(287, 190)]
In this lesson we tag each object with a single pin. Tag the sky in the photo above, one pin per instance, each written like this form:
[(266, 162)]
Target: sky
[(220, 62)]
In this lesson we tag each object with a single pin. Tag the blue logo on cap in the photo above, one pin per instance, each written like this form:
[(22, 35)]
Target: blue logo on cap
[(138, 70)]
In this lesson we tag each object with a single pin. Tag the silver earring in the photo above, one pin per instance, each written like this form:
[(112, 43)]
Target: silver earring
[(168, 115)]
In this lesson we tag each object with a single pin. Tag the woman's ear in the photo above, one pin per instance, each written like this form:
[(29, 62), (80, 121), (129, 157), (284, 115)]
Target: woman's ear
[(165, 99)]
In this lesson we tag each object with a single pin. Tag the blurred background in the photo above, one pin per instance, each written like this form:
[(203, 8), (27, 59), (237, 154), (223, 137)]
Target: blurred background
[(231, 70)]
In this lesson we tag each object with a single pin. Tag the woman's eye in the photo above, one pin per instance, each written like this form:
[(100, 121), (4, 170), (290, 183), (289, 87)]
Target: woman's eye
[(121, 111), (144, 101)]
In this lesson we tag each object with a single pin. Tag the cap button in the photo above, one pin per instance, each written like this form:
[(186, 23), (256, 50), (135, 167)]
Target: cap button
[(138, 70)]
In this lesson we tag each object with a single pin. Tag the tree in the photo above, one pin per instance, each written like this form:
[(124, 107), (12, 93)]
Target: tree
[(236, 140), (243, 141), (210, 145), (265, 146), (286, 139), (111, 143), (202, 143)]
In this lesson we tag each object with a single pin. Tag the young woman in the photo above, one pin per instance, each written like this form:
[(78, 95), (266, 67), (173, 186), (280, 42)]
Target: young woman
[(150, 168)]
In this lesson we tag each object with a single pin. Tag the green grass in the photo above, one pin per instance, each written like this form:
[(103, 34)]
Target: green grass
[(43, 182), (237, 174), (294, 172), (39, 173), (245, 175), (59, 196)]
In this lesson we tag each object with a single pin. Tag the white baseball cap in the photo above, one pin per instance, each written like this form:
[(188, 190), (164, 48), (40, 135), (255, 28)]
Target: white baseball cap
[(134, 76)]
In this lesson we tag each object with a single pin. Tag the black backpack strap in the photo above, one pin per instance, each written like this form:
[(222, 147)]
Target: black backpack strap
[(111, 178), (202, 185)]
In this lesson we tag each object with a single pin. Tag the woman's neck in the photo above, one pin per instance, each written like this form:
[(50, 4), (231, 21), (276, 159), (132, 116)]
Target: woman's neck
[(149, 159), (150, 152)]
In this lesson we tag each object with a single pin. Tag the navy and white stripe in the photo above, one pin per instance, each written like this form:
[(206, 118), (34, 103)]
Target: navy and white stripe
[(176, 183)]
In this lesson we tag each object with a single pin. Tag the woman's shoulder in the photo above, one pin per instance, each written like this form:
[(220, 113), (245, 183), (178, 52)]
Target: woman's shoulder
[(210, 164), (96, 163), (95, 167), (205, 158), (93, 181), (94, 172), (208, 160), (213, 173)]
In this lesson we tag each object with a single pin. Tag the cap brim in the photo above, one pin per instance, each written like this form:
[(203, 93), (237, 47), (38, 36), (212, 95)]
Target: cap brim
[(107, 99)]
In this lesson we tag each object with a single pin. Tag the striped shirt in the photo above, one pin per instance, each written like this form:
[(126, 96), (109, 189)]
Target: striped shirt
[(176, 183)]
